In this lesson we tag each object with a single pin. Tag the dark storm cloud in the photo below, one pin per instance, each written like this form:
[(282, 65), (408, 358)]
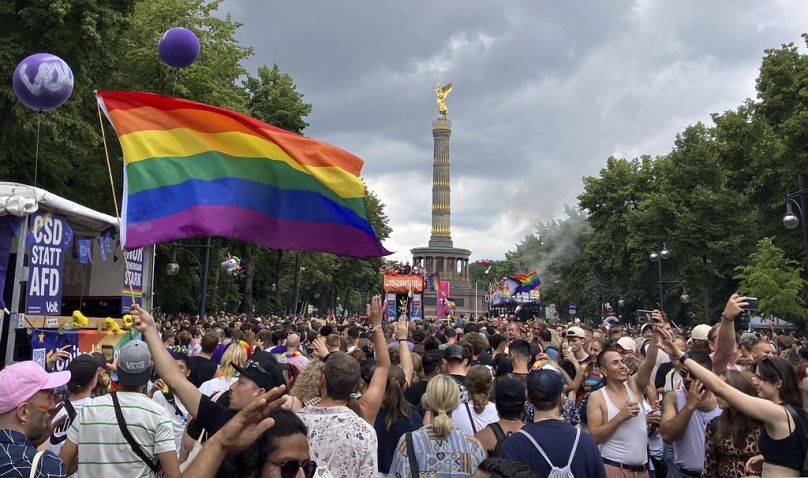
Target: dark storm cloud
[(544, 92)]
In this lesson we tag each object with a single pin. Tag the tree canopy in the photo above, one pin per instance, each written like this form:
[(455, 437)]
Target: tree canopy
[(113, 45)]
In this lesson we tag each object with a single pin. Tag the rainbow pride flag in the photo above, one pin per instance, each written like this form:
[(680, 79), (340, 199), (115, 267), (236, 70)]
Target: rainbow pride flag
[(434, 282), (523, 283), (197, 170)]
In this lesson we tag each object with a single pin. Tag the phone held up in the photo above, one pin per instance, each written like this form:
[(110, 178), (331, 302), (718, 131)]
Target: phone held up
[(751, 303)]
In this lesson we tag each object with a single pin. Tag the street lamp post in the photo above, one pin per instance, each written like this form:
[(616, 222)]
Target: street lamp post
[(791, 220), (658, 257), (296, 288), (173, 268), (685, 297)]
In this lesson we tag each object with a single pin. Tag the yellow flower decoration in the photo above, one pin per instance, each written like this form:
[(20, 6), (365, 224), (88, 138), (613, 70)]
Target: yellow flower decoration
[(112, 326), (127, 321), (79, 320)]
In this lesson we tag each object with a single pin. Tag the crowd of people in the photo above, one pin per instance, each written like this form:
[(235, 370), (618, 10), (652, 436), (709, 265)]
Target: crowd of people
[(238, 396)]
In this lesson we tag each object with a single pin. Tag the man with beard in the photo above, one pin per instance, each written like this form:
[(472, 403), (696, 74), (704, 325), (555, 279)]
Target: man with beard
[(27, 407)]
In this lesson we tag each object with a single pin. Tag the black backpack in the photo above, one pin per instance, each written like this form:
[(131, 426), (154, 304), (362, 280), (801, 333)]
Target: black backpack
[(499, 433)]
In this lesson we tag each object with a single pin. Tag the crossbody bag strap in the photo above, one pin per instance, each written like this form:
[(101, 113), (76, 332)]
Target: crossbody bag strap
[(471, 419), (71, 410), (414, 471), (128, 436), (35, 464), (170, 398)]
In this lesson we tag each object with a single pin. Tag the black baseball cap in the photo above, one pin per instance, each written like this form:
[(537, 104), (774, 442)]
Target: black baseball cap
[(263, 369), (545, 383), (83, 368), (454, 351)]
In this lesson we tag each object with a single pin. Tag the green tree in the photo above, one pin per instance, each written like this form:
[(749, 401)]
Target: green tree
[(274, 99), (775, 280)]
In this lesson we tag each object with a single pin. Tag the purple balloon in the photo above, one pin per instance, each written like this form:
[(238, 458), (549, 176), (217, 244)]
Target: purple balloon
[(179, 47), (43, 82)]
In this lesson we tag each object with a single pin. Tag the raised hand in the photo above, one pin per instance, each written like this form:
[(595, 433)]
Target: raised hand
[(61, 354), (695, 394), (374, 311), (735, 306), (248, 424), (402, 328), (141, 319), (318, 345), (665, 341)]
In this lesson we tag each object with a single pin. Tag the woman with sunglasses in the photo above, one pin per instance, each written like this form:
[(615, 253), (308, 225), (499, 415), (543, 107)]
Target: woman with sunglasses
[(775, 406), (276, 438)]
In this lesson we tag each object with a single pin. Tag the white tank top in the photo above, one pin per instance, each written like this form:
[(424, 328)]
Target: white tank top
[(688, 450), (629, 443)]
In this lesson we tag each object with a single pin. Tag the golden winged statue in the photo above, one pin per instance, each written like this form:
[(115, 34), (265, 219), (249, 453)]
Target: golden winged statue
[(441, 93)]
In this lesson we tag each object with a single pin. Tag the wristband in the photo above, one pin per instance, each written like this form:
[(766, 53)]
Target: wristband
[(724, 317), (682, 359), (375, 328), (325, 357)]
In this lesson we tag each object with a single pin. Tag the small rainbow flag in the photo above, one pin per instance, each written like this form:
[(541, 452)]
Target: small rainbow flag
[(523, 282), (450, 303), (434, 282), (197, 170)]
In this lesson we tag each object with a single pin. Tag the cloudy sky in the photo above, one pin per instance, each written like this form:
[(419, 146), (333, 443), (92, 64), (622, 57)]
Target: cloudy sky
[(544, 92)]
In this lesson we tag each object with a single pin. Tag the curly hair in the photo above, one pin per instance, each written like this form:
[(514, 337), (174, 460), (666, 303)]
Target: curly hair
[(307, 385), (502, 468)]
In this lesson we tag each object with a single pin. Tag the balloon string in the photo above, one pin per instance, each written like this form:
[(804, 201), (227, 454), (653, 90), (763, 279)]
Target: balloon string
[(114, 198), (174, 87), (36, 153)]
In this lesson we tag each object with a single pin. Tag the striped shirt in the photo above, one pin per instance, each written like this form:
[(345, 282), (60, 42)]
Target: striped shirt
[(103, 451)]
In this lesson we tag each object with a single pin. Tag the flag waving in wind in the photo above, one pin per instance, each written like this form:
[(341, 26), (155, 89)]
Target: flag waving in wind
[(197, 170), (434, 282), (523, 283)]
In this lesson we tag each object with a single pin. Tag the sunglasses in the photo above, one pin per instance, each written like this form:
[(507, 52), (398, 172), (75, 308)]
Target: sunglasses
[(289, 468), (255, 365)]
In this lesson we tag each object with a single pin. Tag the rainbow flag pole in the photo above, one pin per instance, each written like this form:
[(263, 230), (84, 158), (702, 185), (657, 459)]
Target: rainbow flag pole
[(196, 170)]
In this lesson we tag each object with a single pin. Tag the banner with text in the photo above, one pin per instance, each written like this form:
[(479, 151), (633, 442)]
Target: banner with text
[(45, 342), (415, 308), (48, 234), (403, 283), (132, 280)]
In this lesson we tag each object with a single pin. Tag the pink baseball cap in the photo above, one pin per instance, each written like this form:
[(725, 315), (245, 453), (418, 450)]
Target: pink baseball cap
[(627, 344), (22, 380)]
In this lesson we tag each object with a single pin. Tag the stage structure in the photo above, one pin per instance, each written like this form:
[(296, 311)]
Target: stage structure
[(440, 256), (57, 257)]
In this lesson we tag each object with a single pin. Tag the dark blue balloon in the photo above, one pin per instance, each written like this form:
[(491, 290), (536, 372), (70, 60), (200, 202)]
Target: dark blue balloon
[(179, 47), (43, 82)]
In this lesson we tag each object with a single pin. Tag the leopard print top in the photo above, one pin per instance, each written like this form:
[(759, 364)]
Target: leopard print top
[(725, 459)]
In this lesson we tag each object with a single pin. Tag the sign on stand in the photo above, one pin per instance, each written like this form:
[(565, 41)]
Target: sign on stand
[(48, 235), (132, 280)]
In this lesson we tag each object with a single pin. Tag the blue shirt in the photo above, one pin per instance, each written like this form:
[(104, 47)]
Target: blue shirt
[(17, 454), (556, 439), (388, 439)]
